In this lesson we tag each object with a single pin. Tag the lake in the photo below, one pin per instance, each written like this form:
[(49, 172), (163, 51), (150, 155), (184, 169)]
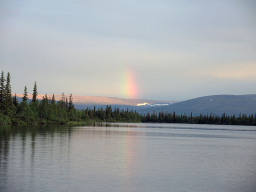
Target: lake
[(128, 157)]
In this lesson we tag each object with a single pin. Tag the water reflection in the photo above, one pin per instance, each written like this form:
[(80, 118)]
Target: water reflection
[(18, 147), (127, 157)]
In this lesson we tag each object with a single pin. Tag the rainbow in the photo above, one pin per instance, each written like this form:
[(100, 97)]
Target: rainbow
[(129, 154), (129, 87)]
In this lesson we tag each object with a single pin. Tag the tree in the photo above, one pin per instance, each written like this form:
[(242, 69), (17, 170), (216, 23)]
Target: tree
[(34, 98), (8, 93), (66, 103), (70, 103), (53, 100), (25, 95), (108, 113), (34, 104), (44, 108), (15, 100), (53, 109), (24, 111), (62, 101), (2, 92)]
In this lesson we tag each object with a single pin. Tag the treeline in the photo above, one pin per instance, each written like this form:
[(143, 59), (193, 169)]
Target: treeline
[(48, 110), (162, 117)]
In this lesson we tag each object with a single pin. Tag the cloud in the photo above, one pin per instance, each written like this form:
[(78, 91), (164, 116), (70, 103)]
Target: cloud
[(234, 72), (174, 47)]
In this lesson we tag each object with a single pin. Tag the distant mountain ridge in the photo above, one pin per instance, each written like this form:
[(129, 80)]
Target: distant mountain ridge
[(215, 104), (98, 100)]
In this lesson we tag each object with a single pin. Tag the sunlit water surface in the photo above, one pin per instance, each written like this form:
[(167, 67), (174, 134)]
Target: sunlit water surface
[(128, 158)]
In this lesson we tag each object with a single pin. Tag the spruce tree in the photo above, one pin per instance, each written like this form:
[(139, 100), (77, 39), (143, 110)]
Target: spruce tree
[(44, 108), (70, 103), (34, 104), (15, 100), (53, 100), (34, 98), (66, 103), (25, 96), (62, 101), (8, 93), (2, 92)]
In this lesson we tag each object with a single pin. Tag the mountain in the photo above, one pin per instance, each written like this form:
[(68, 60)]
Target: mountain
[(82, 102), (216, 104)]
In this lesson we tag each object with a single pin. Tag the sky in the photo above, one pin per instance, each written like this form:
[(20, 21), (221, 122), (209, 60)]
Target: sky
[(169, 50)]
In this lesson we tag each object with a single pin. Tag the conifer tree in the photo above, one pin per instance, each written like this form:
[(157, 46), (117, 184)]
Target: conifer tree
[(63, 97), (8, 93), (53, 109), (44, 108), (34, 98), (70, 103), (53, 100), (34, 104), (25, 96), (66, 103), (15, 100), (62, 101), (2, 92)]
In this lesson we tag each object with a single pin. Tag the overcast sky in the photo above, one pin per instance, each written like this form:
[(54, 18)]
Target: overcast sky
[(168, 49)]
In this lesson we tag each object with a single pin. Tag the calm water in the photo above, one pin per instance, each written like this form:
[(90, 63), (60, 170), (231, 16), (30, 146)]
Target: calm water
[(128, 158)]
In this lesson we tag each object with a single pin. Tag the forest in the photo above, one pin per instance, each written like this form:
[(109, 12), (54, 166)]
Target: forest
[(202, 119), (50, 111)]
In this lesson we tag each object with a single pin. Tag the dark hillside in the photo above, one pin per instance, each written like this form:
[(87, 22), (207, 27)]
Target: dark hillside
[(216, 104)]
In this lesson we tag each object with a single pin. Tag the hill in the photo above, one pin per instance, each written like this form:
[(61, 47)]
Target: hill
[(82, 102), (216, 104)]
